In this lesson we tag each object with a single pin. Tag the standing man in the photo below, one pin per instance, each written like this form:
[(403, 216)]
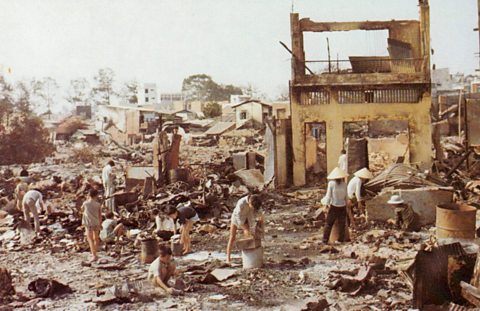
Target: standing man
[(31, 201), (336, 200), (355, 188), (243, 217), (108, 179), (343, 161)]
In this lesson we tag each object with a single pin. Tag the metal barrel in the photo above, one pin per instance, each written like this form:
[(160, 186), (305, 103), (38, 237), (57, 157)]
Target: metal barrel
[(177, 248), (149, 251), (252, 258), (179, 174), (456, 221)]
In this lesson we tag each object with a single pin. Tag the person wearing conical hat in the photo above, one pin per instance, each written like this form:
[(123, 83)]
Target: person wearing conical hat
[(336, 200), (355, 187)]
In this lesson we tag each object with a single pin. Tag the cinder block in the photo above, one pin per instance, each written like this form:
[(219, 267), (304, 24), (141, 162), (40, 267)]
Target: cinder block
[(251, 160), (239, 161), (424, 202)]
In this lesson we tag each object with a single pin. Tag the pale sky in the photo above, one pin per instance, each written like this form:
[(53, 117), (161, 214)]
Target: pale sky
[(234, 41)]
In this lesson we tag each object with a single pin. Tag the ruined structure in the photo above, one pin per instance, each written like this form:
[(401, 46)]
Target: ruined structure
[(396, 87)]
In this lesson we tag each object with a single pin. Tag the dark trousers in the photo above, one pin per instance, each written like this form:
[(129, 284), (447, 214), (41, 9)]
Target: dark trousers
[(335, 213)]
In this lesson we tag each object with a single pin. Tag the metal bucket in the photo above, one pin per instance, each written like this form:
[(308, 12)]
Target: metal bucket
[(456, 221), (177, 248), (252, 258), (179, 174), (149, 250)]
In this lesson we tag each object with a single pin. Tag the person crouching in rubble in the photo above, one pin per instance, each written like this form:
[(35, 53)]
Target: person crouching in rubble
[(162, 269), (186, 217), (405, 217), (32, 200), (355, 189), (336, 201), (111, 229), (243, 216), (92, 217)]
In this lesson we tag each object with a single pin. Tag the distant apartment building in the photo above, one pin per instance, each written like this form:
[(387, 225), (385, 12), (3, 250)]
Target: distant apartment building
[(172, 101), (148, 94), (237, 99)]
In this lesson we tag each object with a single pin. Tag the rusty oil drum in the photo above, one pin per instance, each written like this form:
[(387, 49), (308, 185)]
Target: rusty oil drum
[(179, 174), (149, 251), (456, 221)]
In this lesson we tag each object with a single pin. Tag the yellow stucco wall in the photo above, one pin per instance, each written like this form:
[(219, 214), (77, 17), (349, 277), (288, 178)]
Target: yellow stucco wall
[(334, 114)]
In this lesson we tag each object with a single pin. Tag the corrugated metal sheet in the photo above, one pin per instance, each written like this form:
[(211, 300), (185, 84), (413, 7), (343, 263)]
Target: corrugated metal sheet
[(400, 176), (429, 273), (220, 127)]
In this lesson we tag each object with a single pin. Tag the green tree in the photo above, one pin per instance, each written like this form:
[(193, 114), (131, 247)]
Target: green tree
[(201, 87), (24, 141), (129, 92), (6, 101), (22, 102), (103, 88), (78, 93), (212, 110), (45, 91)]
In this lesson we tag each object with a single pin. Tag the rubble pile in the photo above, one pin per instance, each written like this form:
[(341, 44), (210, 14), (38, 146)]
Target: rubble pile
[(377, 268)]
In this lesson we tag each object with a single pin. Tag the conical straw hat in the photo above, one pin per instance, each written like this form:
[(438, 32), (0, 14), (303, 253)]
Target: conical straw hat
[(337, 173), (364, 173)]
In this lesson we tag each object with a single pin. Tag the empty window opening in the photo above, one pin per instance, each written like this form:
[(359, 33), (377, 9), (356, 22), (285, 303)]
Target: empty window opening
[(315, 152), (348, 49)]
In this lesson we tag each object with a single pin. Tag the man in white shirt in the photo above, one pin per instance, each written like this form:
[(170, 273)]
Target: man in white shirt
[(354, 188), (31, 202), (108, 180), (343, 161)]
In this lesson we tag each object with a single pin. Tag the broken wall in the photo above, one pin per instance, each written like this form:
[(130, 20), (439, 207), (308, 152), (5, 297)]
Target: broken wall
[(341, 97), (394, 147), (424, 202)]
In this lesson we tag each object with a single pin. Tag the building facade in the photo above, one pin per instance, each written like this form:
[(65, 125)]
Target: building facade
[(397, 87)]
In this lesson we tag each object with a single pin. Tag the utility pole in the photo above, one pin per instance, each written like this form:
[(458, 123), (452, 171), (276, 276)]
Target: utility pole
[(329, 59)]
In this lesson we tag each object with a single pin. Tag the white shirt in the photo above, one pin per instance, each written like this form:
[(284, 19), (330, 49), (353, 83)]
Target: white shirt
[(106, 172), (336, 194), (35, 196), (243, 213), (343, 163), (354, 188), (155, 266)]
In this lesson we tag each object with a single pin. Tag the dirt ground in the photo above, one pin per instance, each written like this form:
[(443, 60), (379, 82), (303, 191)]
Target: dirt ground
[(298, 268), (291, 276)]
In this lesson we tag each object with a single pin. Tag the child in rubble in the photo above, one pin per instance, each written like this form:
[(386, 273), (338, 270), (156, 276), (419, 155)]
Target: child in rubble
[(243, 217), (186, 217), (162, 269), (111, 229), (91, 220)]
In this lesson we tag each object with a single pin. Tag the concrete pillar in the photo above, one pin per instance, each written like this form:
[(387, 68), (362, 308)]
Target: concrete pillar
[(334, 143)]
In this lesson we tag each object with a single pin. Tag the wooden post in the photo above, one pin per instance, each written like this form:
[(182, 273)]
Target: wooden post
[(298, 58)]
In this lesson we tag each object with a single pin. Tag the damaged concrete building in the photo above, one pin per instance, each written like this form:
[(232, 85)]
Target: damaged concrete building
[(396, 87)]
